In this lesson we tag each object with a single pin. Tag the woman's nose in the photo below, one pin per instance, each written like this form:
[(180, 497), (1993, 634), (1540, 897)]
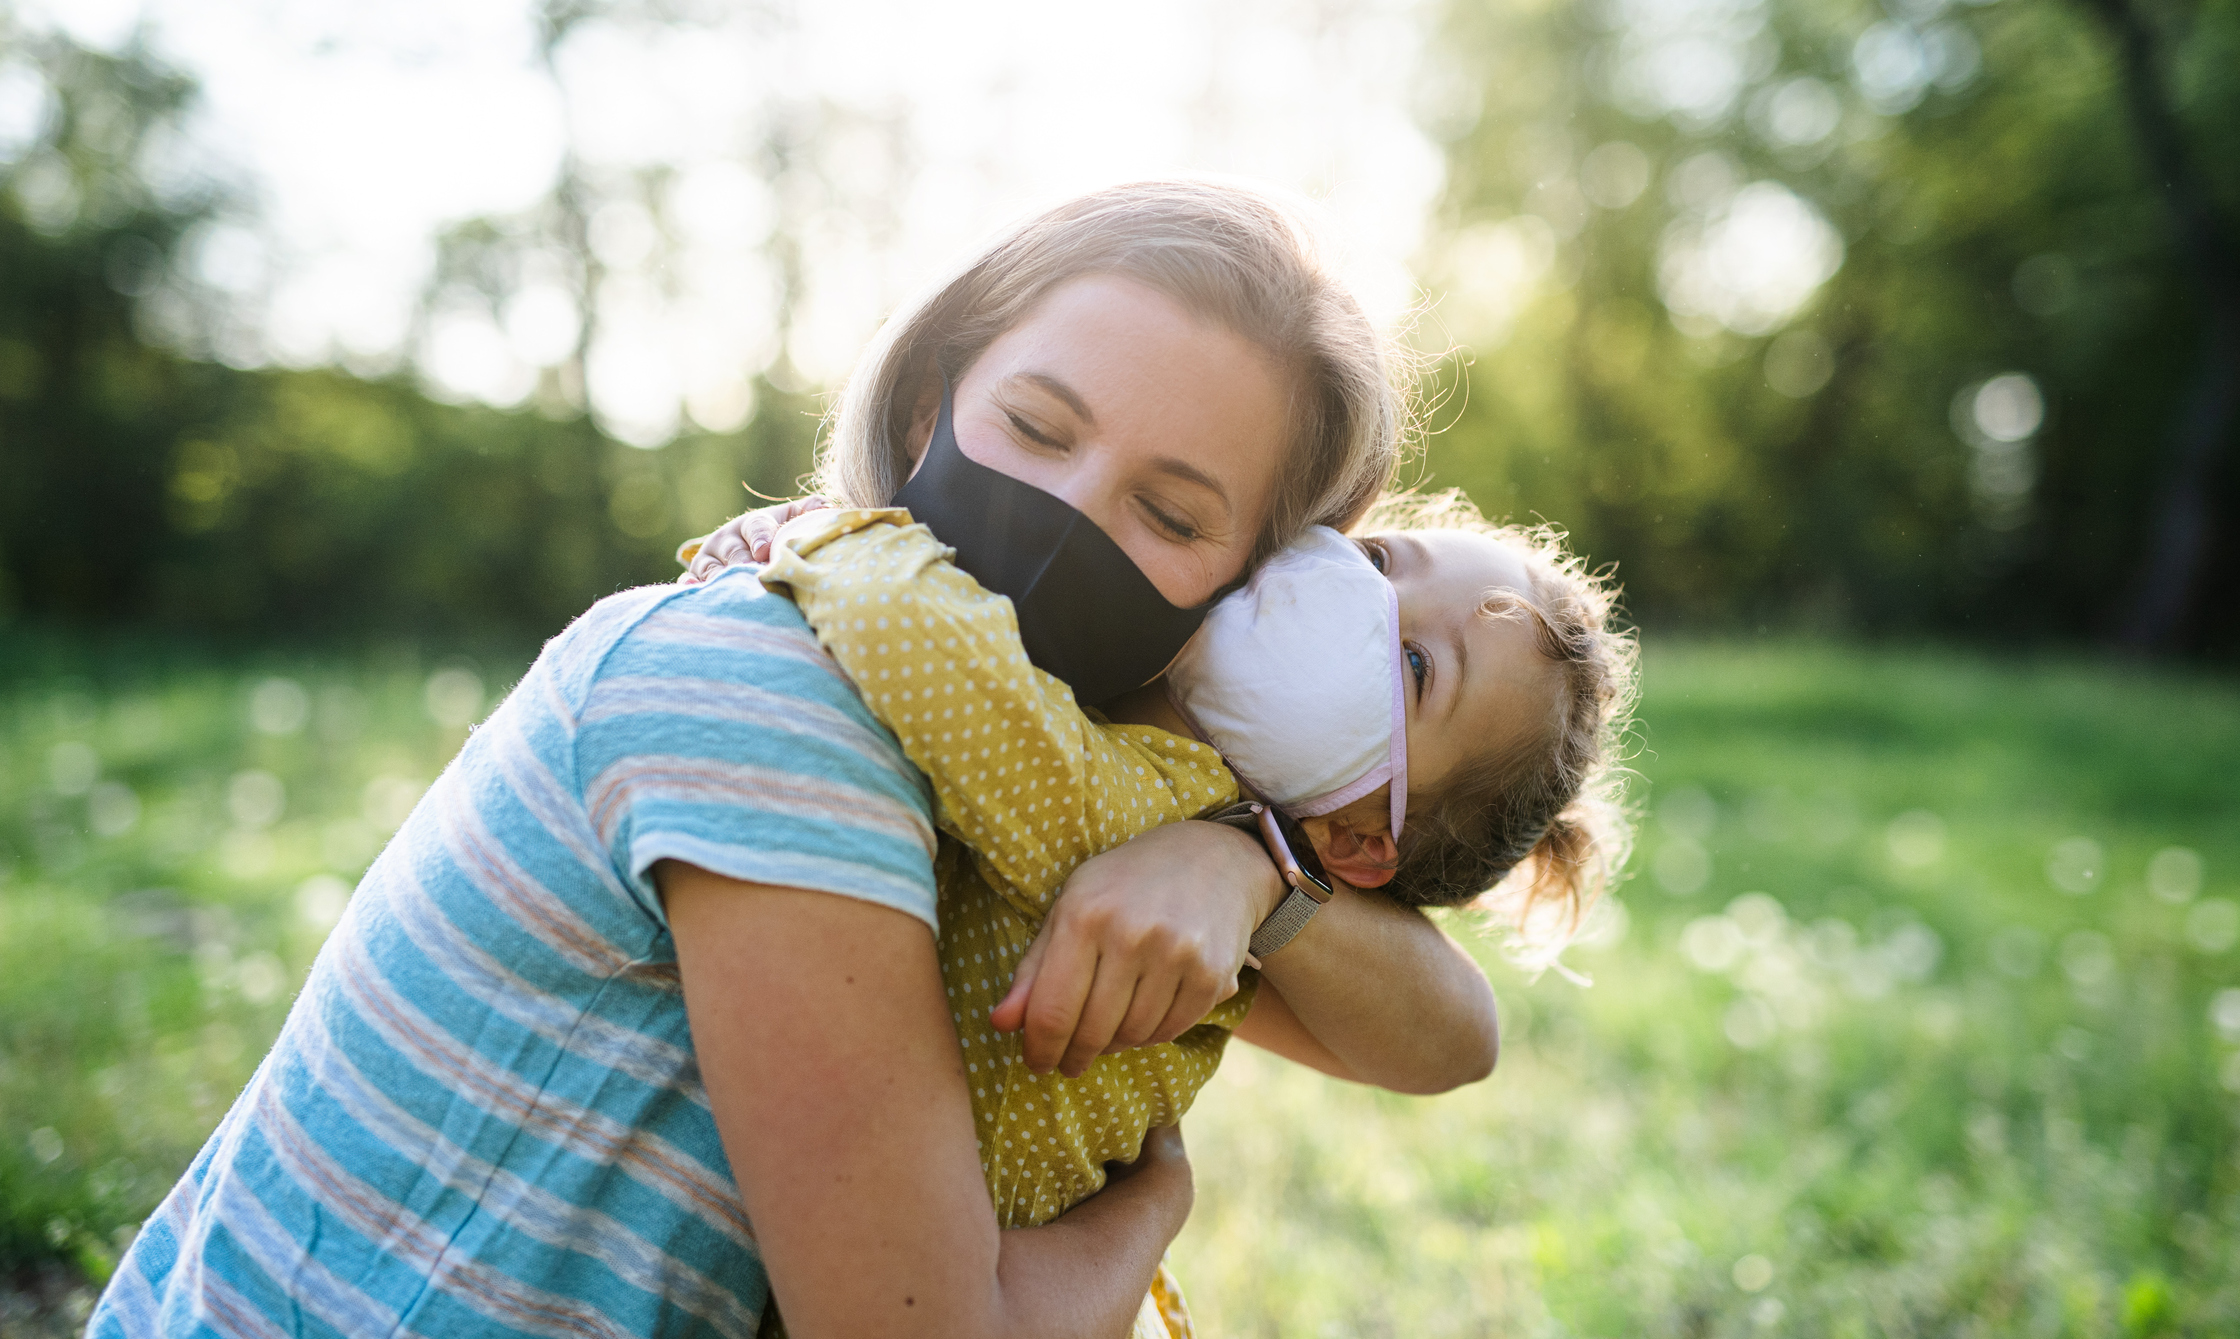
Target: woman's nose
[(1091, 485)]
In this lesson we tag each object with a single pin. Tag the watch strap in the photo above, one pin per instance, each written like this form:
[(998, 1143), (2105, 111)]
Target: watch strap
[(1284, 923), (1308, 887)]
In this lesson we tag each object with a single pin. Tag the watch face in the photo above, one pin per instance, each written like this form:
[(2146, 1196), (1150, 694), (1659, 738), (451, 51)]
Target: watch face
[(1302, 850)]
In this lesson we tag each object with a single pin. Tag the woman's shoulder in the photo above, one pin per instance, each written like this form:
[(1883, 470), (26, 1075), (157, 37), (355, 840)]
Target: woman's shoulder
[(727, 628), (722, 669), (708, 726), (727, 667)]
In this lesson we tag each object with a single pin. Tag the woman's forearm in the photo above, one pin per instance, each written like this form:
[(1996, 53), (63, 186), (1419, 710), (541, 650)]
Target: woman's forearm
[(1094, 1262), (1375, 992), (834, 1075)]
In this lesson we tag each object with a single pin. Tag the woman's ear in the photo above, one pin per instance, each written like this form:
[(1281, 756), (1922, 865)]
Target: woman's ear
[(1365, 860), (923, 416)]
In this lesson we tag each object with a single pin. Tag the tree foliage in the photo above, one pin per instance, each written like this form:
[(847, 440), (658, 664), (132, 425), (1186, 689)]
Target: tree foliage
[(1630, 181), (1801, 311), (149, 487)]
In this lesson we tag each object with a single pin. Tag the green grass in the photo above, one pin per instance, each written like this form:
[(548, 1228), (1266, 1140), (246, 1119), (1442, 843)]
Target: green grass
[(176, 837), (1853, 1063), (1854, 1066)]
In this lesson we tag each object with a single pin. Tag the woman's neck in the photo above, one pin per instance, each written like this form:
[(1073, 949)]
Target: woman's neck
[(1149, 705)]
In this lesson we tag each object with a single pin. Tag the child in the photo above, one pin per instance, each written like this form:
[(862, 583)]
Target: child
[(1459, 673), (1534, 828)]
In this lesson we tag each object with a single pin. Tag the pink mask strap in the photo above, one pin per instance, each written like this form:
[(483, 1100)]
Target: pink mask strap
[(1399, 747)]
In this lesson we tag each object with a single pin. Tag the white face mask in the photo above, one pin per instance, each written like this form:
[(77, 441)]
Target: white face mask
[(1298, 680)]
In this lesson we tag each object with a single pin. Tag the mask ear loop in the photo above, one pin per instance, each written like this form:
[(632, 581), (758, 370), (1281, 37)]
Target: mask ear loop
[(1398, 749)]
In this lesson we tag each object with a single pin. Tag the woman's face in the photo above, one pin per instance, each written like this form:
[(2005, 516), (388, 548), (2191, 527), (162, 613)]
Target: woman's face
[(1164, 429)]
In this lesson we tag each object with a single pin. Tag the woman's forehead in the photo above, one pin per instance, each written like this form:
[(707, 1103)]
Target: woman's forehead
[(1127, 335), (1144, 372)]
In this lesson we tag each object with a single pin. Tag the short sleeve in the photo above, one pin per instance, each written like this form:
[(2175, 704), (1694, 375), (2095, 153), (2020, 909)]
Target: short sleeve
[(717, 732)]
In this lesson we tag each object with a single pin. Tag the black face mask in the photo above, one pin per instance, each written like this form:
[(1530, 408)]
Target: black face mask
[(1086, 612)]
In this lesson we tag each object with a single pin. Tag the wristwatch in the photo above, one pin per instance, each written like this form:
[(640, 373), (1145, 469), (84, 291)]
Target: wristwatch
[(1308, 887)]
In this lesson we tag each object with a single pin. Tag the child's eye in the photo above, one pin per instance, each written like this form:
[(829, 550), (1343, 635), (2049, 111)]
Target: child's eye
[(1419, 666), (1377, 557)]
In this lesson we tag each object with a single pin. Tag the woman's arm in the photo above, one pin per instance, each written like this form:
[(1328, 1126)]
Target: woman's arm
[(825, 1043)]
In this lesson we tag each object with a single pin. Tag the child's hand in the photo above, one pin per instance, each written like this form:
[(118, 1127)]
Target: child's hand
[(1144, 941), (746, 538)]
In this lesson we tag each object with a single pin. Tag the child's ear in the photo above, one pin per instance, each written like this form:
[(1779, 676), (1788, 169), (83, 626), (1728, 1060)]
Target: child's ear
[(1365, 860)]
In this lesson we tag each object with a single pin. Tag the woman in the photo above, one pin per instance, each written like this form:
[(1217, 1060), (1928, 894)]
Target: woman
[(597, 1048)]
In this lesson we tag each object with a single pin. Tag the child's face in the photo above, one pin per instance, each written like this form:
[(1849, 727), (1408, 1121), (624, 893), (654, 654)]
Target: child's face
[(1477, 684)]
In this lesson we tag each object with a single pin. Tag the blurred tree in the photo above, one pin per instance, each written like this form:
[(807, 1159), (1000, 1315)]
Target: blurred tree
[(1807, 311), (784, 169), (1818, 311), (144, 485), (82, 236), (2203, 429)]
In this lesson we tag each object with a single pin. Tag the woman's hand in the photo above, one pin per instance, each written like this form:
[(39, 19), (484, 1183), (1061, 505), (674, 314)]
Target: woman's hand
[(744, 538), (1144, 941)]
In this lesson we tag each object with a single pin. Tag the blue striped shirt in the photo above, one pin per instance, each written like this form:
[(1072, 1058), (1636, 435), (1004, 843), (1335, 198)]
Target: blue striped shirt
[(483, 1114)]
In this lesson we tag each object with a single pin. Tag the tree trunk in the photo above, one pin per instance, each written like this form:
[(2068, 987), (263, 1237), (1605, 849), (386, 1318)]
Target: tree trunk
[(2155, 608)]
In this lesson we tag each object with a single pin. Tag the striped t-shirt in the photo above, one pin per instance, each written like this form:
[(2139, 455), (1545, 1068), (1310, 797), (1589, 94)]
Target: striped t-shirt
[(483, 1113)]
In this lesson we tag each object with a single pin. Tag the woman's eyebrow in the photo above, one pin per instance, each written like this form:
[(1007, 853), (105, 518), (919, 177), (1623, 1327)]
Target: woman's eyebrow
[(1172, 466), (1064, 392), (1178, 468)]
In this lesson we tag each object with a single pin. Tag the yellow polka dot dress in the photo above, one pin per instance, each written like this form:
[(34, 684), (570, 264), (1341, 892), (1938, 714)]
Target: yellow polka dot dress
[(1027, 785)]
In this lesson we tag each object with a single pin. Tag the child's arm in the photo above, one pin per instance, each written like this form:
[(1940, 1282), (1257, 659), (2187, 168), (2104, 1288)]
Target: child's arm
[(1022, 775), (1374, 992)]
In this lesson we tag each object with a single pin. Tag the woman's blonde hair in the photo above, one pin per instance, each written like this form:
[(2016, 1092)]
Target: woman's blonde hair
[(1538, 832), (1227, 254)]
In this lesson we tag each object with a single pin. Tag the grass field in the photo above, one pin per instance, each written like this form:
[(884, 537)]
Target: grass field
[(1921, 1015)]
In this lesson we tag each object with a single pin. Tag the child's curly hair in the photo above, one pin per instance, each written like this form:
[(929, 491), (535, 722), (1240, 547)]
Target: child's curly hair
[(1534, 833)]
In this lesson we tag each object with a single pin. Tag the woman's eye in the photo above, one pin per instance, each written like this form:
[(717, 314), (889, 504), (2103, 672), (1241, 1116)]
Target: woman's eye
[(1028, 431), (1173, 525), (1418, 666)]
